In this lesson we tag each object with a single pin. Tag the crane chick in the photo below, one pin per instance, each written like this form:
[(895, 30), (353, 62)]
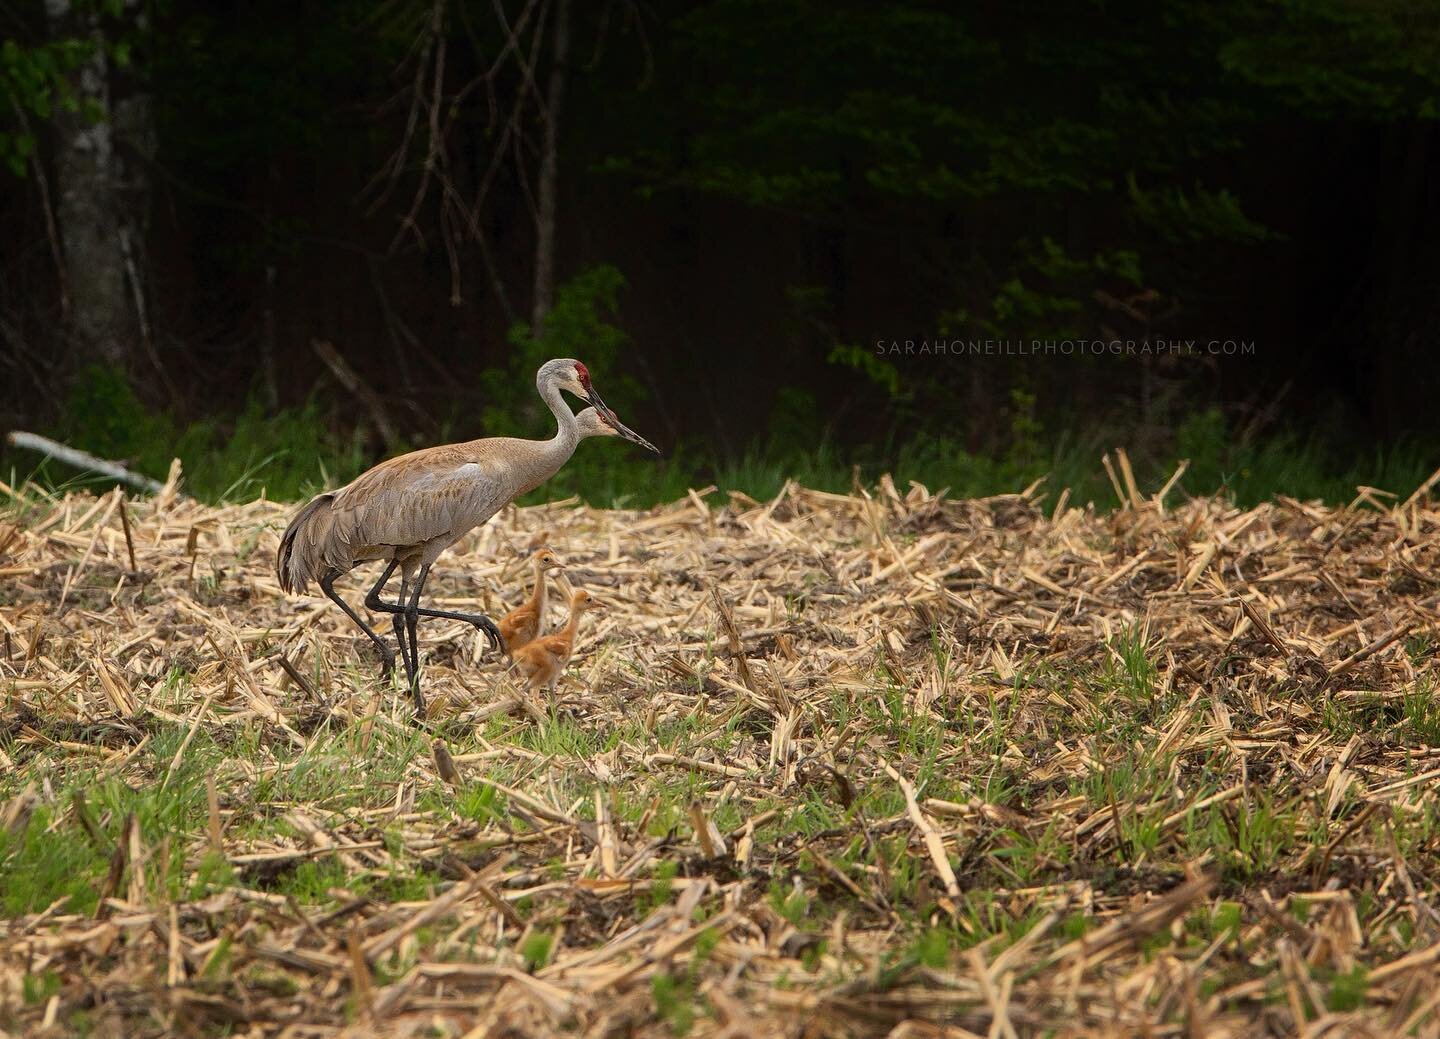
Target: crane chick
[(525, 623), (542, 661)]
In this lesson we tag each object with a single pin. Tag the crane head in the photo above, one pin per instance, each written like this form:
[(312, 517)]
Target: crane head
[(572, 376), (568, 374), (548, 560)]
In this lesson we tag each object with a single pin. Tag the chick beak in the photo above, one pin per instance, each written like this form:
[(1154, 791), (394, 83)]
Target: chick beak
[(632, 436), (610, 417)]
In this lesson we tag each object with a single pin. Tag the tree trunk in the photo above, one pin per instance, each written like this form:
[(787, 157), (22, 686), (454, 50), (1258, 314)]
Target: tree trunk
[(97, 205), (549, 172), (269, 349)]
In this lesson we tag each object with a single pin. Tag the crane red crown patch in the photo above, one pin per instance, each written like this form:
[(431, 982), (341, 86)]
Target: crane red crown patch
[(583, 372)]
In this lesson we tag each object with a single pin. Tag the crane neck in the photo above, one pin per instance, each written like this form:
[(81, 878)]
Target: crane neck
[(567, 432), (535, 461)]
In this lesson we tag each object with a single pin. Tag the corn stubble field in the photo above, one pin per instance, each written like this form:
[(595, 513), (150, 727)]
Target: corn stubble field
[(881, 764)]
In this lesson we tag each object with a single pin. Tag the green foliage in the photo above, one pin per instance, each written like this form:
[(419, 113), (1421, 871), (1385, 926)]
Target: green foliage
[(1050, 293), (1111, 169), (1026, 430), (1250, 470), (1184, 217), (674, 1001), (1136, 673), (1247, 839), (872, 366), (793, 904), (293, 453), (793, 420), (1203, 439), (1226, 919), (59, 856), (33, 82), (1057, 173), (104, 416), (478, 803), (37, 988), (581, 324), (537, 949), (1422, 712), (36, 868), (286, 455), (1092, 173), (312, 880), (808, 108), (1348, 990), (932, 948), (662, 884), (1392, 57)]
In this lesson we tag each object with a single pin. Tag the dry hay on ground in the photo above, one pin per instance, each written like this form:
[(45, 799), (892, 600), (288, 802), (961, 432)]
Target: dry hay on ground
[(830, 765)]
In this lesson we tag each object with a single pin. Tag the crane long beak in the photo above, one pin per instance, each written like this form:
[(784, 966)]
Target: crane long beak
[(625, 431), (632, 436)]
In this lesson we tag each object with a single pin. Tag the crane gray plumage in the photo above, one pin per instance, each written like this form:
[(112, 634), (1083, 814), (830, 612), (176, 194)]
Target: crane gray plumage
[(413, 507), (407, 510)]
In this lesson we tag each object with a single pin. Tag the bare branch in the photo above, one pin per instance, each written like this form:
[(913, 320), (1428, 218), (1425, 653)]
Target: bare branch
[(360, 389), (512, 42), (459, 221), (408, 222), (83, 460)]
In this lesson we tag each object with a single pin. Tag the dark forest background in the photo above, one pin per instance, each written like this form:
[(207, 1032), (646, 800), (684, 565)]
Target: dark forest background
[(284, 239)]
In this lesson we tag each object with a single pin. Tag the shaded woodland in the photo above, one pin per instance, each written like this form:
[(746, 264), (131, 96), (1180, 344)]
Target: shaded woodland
[(733, 211)]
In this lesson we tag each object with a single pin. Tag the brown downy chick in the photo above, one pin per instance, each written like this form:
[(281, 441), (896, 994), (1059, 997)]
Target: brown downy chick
[(523, 624), (542, 660)]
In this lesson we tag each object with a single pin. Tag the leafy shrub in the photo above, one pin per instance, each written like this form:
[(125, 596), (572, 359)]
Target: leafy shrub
[(581, 324), (293, 453), (285, 455)]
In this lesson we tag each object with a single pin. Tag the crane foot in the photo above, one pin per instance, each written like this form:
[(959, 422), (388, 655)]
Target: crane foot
[(413, 612), (492, 632)]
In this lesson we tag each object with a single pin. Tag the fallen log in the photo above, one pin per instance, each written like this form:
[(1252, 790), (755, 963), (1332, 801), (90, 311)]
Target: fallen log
[(78, 459)]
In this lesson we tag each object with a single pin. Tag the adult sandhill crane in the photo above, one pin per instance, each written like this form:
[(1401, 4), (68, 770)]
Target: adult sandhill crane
[(409, 509), (524, 624)]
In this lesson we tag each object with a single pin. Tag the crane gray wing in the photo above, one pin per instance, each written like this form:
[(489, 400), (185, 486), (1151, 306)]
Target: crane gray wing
[(417, 498)]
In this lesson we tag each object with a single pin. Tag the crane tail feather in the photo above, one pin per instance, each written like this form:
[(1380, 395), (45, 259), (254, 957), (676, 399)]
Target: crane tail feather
[(301, 556)]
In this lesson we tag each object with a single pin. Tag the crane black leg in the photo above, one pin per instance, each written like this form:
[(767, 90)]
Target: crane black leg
[(480, 621), (372, 597), (403, 618), (485, 624), (398, 619), (412, 623), (405, 615), (379, 605), (387, 657)]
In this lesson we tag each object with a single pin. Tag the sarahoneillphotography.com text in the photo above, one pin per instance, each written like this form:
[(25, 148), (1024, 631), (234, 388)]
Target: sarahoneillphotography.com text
[(962, 348)]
